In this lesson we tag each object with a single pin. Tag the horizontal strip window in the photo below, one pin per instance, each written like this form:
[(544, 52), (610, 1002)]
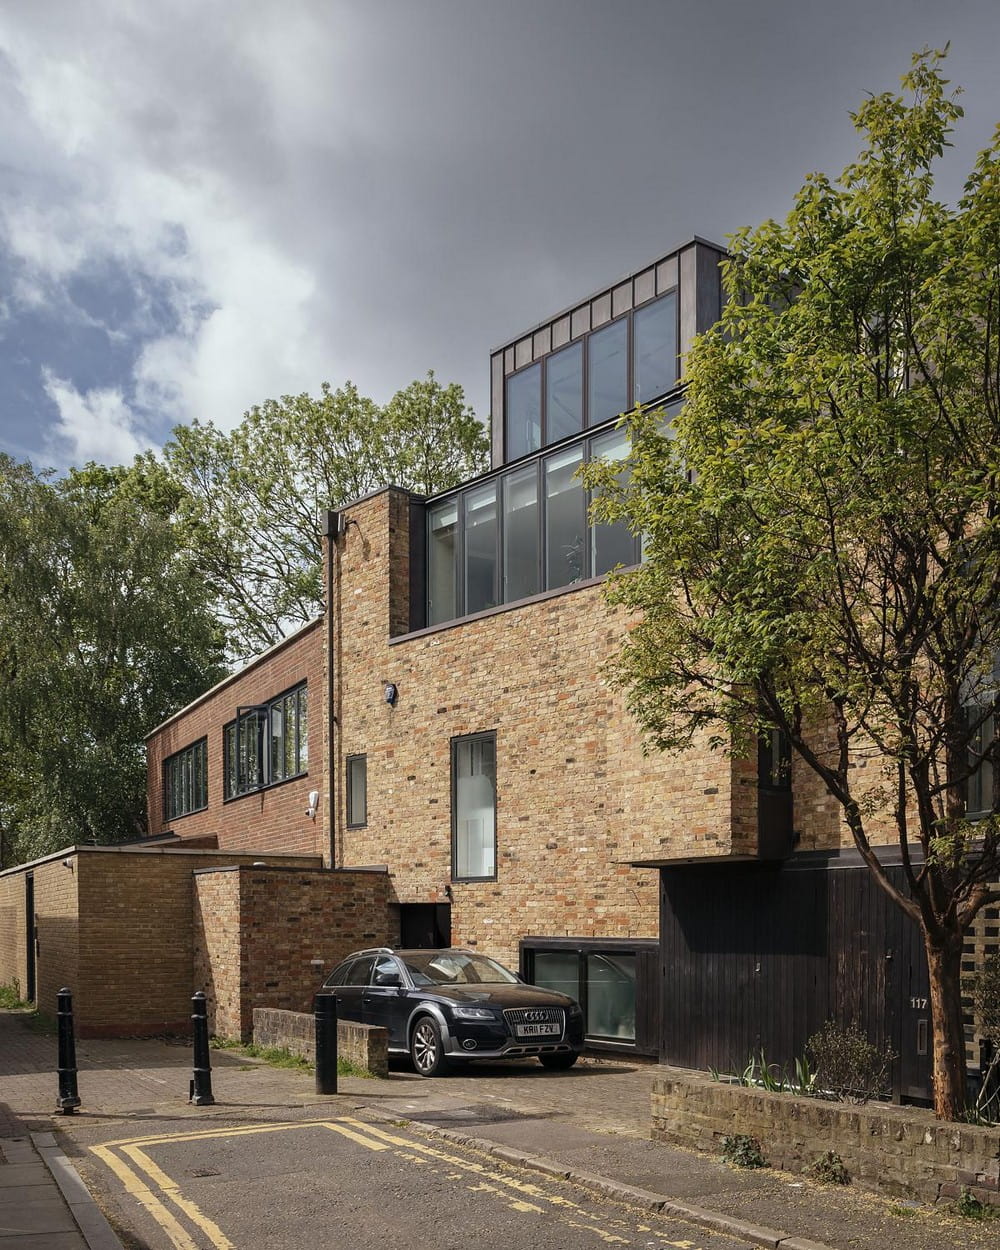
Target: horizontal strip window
[(524, 531), (185, 781), (266, 743), (625, 363)]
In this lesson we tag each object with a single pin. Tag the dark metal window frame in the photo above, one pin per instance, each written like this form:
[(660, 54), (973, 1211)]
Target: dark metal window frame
[(179, 760), (488, 734), (350, 794), (627, 317), (258, 715)]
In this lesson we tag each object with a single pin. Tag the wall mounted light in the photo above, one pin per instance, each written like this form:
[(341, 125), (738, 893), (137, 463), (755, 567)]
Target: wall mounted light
[(391, 693), (313, 804)]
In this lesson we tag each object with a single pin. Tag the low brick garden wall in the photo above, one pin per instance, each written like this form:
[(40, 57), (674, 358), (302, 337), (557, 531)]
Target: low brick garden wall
[(364, 1045), (897, 1150)]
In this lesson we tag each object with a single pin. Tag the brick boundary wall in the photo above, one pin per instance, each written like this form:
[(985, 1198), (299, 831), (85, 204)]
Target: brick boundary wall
[(364, 1045), (896, 1150)]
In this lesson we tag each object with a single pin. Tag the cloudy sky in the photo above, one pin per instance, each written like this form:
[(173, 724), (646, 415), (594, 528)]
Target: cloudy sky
[(204, 204)]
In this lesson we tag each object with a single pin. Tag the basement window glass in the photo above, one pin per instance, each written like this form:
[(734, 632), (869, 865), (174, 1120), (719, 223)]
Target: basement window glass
[(602, 981), (266, 743), (473, 807), (185, 781), (357, 791)]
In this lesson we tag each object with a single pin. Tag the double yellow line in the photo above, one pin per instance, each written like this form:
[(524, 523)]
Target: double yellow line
[(153, 1189)]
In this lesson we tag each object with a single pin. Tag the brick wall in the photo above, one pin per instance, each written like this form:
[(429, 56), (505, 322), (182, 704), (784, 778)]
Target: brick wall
[(273, 819), (897, 1150), (13, 962), (266, 937), (577, 799)]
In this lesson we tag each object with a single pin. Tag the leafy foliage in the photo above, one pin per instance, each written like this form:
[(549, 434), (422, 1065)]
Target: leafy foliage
[(105, 629), (743, 1151), (984, 988), (830, 1169), (847, 1064), (256, 494), (822, 523)]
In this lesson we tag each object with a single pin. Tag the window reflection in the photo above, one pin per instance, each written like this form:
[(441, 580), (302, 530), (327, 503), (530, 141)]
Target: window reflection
[(442, 533), (481, 547), (524, 412), (565, 519), (521, 543), (608, 373), (655, 349), (564, 393)]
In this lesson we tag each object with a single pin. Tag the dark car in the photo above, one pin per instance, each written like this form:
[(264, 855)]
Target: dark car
[(443, 1005)]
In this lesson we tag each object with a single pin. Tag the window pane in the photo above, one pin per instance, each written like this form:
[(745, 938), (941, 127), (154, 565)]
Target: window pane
[(558, 970), (481, 547), (611, 996), (442, 532), (357, 790), (655, 349), (474, 765), (564, 393), (979, 787), (611, 544), (229, 755), (524, 412), (302, 737), (278, 742), (520, 534), (607, 389), (565, 520)]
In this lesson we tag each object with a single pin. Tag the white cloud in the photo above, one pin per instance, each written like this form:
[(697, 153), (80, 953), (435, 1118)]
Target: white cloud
[(96, 425)]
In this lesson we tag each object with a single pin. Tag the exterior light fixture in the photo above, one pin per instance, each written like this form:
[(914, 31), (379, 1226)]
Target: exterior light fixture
[(391, 693)]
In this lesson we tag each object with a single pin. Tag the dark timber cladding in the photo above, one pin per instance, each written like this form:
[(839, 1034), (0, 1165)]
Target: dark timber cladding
[(757, 957)]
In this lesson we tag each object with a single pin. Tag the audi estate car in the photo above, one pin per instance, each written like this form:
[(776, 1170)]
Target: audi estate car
[(441, 1006)]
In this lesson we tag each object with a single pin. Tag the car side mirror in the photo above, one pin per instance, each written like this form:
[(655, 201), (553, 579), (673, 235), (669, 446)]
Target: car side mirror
[(391, 979)]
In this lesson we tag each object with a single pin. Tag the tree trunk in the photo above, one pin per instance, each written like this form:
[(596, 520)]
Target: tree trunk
[(944, 966)]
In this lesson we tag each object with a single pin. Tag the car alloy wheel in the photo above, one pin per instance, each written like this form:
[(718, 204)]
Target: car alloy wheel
[(426, 1049)]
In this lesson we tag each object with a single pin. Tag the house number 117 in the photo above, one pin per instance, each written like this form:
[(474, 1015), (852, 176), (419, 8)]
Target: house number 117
[(919, 1003)]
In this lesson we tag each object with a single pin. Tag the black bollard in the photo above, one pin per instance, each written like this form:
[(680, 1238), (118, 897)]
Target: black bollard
[(69, 1098), (325, 1008), (201, 1082)]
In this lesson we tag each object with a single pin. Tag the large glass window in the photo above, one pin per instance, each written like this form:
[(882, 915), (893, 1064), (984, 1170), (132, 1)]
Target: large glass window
[(185, 781), (979, 789), (602, 978), (654, 354), (520, 534), (473, 807), (266, 743), (564, 393), (357, 791), (481, 544), (615, 544), (524, 412), (565, 519), (442, 561), (607, 373)]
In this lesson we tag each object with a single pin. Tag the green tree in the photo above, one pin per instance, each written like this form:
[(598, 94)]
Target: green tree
[(822, 544), (105, 629), (257, 493)]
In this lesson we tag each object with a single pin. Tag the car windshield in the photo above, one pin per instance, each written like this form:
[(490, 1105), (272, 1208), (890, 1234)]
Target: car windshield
[(455, 968)]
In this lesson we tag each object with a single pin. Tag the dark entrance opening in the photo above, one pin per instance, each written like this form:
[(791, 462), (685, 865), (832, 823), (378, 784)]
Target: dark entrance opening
[(425, 926), (31, 935)]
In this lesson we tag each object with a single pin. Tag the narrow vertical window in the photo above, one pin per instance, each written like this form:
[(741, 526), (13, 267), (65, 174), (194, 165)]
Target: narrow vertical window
[(357, 791), (442, 558), (520, 534), (655, 349), (481, 538), (185, 781), (473, 807), (607, 381), (523, 411), (564, 393), (613, 544), (565, 520)]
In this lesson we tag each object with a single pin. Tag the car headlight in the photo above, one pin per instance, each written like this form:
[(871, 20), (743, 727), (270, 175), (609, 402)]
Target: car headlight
[(473, 1013)]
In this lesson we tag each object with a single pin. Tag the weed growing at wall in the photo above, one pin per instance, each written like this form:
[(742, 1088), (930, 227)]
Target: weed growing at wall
[(829, 1168), (10, 996), (969, 1207), (743, 1151)]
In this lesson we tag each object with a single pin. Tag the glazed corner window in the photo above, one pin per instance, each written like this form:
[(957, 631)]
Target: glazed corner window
[(185, 781), (473, 807), (357, 791), (267, 742)]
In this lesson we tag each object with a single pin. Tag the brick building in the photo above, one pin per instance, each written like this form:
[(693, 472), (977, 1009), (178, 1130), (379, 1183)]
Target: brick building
[(443, 742)]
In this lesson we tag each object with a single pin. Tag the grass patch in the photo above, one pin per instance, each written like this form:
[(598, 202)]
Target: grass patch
[(281, 1057), (10, 997)]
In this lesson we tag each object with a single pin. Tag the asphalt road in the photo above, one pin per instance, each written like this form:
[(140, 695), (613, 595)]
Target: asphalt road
[(346, 1181)]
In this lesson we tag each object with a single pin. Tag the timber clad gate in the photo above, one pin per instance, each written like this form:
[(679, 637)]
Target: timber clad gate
[(756, 957)]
